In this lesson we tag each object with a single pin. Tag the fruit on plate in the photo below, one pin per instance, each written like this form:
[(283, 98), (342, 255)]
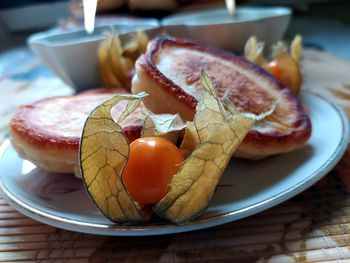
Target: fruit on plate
[(215, 133), (152, 163), (285, 63)]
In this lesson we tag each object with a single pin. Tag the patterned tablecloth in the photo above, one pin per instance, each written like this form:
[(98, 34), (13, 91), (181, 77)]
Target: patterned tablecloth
[(313, 226)]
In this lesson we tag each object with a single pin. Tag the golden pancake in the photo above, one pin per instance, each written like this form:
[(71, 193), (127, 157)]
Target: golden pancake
[(169, 72), (48, 132)]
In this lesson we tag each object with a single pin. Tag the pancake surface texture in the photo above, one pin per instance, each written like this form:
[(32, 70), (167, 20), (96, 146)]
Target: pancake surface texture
[(169, 72), (48, 131)]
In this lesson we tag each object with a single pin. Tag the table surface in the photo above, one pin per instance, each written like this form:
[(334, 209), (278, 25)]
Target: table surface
[(313, 226)]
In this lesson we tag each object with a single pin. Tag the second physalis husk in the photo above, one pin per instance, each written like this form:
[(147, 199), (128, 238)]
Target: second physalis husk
[(284, 64)]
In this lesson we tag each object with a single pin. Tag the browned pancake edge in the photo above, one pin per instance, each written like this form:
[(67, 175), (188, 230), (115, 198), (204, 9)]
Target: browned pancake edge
[(50, 150)]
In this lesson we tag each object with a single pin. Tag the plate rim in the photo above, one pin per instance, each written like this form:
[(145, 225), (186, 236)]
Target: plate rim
[(114, 229)]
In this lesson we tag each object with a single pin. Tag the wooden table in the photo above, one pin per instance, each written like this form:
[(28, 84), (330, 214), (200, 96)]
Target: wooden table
[(313, 226)]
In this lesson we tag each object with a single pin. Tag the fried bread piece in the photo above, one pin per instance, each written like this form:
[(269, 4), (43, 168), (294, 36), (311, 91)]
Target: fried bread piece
[(48, 131), (169, 72)]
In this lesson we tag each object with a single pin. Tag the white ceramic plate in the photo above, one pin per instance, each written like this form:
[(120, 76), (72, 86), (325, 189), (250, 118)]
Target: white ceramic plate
[(246, 187)]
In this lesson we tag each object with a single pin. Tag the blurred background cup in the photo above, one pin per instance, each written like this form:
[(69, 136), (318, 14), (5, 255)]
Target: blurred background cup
[(217, 28), (73, 55)]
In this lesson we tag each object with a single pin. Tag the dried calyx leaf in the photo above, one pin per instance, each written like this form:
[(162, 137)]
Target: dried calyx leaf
[(104, 152), (254, 50), (165, 123), (168, 126), (278, 48), (214, 135), (116, 61), (233, 110), (107, 76), (136, 46), (296, 48)]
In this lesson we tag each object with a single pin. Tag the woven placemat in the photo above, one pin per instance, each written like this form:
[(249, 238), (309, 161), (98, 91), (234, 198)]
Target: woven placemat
[(311, 227), (314, 226)]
